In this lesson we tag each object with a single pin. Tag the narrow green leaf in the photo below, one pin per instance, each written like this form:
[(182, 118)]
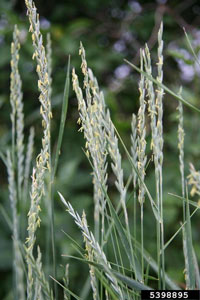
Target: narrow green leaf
[(86, 288), (73, 242), (64, 287), (98, 269), (148, 258), (147, 275), (191, 48), (131, 282), (175, 234), (161, 85), (63, 118), (54, 169), (134, 264), (106, 284), (6, 217), (197, 205)]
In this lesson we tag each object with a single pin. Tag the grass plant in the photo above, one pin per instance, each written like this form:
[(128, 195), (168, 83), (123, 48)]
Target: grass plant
[(119, 264)]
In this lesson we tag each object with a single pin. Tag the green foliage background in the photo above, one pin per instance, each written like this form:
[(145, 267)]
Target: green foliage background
[(110, 31)]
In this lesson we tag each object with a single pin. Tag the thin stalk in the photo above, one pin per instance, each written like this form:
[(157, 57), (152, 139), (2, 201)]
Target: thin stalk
[(53, 172), (63, 118), (162, 232), (135, 218), (142, 239), (120, 256)]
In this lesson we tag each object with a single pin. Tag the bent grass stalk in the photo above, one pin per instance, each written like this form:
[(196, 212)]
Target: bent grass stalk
[(90, 255), (98, 252)]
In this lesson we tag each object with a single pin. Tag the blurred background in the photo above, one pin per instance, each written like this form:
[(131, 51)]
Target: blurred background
[(110, 31)]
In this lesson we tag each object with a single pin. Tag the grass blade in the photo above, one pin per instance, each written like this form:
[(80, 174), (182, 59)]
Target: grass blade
[(6, 217), (59, 143), (175, 234), (131, 282), (161, 85), (154, 267), (135, 264), (191, 48), (66, 289), (197, 205), (63, 118)]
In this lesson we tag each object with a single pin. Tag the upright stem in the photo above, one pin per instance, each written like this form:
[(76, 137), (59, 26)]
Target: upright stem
[(142, 240), (162, 232), (158, 236)]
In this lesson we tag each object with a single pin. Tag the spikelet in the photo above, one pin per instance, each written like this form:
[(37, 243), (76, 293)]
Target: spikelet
[(141, 135), (134, 146), (194, 181), (151, 104), (181, 135)]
